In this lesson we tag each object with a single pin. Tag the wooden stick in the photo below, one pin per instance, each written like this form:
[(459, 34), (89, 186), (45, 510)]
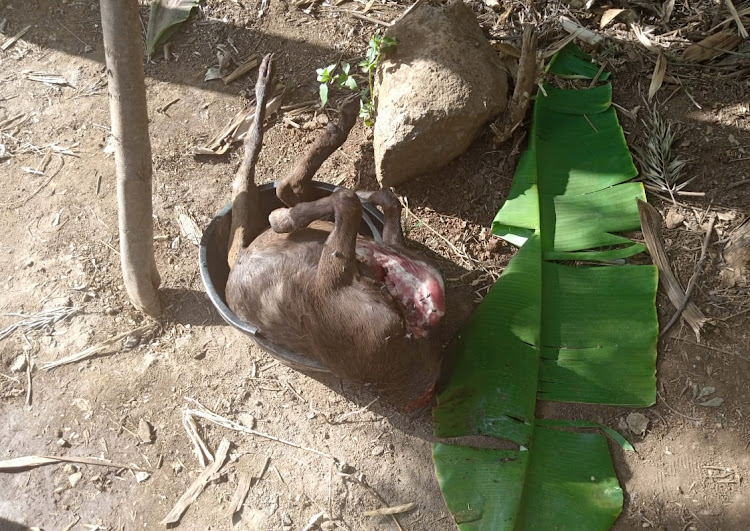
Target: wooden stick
[(195, 489), (240, 494)]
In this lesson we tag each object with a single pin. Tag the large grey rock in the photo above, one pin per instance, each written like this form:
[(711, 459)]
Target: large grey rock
[(434, 91)]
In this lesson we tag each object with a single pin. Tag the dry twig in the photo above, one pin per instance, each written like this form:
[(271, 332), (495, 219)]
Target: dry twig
[(205, 413), (693, 279), (96, 349), (396, 509), (33, 461), (195, 489)]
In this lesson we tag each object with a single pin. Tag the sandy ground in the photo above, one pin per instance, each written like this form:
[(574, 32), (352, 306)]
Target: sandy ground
[(60, 249)]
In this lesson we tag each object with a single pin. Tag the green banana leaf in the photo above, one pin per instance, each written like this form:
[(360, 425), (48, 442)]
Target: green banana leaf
[(550, 329), (163, 19)]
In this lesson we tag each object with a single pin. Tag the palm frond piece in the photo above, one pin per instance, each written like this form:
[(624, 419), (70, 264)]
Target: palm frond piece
[(661, 169)]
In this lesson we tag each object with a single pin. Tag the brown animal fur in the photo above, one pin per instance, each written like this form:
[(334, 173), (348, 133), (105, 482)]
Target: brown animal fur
[(300, 281)]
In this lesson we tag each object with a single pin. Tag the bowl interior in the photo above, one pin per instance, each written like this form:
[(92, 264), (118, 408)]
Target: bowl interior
[(212, 261)]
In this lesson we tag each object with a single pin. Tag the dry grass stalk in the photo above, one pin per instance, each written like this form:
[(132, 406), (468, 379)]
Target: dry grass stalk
[(199, 447), (96, 349), (737, 19), (41, 321), (241, 70), (205, 413), (28, 379), (28, 198), (33, 461), (8, 43), (580, 32)]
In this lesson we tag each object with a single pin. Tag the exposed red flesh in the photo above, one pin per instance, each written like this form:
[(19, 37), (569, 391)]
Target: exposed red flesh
[(415, 285)]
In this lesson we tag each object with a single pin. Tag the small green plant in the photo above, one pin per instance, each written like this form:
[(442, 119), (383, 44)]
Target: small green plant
[(341, 80), (327, 76), (376, 48)]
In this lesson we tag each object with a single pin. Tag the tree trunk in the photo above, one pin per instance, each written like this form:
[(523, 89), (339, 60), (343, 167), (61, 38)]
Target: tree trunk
[(123, 50)]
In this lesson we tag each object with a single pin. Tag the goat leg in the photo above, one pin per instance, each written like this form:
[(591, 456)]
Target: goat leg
[(247, 220), (295, 187), (337, 261), (387, 200)]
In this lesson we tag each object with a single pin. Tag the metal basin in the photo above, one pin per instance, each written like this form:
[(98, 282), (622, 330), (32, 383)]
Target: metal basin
[(212, 262)]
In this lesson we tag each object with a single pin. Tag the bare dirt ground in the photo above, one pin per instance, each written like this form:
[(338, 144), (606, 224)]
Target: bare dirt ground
[(59, 248)]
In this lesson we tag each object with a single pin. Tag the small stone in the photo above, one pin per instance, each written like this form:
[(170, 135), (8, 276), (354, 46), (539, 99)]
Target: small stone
[(132, 341), (315, 519), (110, 311), (637, 423), (247, 420), (286, 520), (62, 443), (150, 359), (200, 355), (378, 450), (75, 478), (19, 364), (328, 525), (714, 402), (145, 432), (495, 245), (70, 469), (674, 218), (141, 476)]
